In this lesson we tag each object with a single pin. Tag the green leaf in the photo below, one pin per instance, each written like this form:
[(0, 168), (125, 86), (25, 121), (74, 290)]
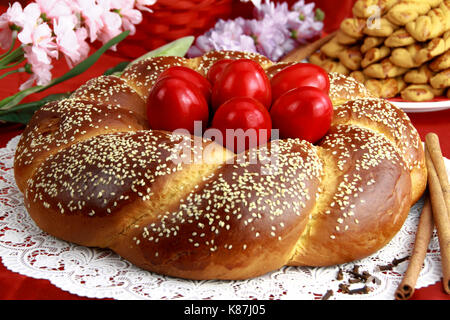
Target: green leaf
[(11, 111), (13, 100), (35, 105), (178, 48), (320, 15), (18, 117)]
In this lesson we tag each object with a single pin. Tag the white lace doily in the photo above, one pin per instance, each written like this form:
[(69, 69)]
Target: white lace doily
[(99, 273)]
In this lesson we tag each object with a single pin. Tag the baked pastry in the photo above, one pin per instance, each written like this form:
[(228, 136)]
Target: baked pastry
[(374, 55), (360, 77), (433, 48), (402, 42), (351, 58), (440, 63), (387, 88), (330, 65), (371, 42), (332, 48), (421, 75), (353, 27), (405, 57), (400, 38), (369, 8), (384, 69), (408, 10), (93, 173), (344, 38), (432, 24), (420, 92), (441, 80), (380, 27)]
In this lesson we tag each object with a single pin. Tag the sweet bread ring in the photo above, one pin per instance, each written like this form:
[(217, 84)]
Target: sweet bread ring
[(344, 88), (93, 174)]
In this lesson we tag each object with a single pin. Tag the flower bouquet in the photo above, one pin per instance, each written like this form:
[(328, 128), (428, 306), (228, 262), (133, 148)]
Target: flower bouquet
[(44, 31), (274, 31)]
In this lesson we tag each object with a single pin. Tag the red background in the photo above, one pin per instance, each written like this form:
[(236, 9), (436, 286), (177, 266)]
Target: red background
[(163, 25)]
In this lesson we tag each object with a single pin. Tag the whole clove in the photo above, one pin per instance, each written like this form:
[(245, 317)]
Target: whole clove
[(363, 290), (327, 295), (393, 264), (340, 275), (344, 288)]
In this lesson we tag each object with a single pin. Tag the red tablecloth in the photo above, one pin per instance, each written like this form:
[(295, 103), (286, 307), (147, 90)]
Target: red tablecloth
[(16, 286)]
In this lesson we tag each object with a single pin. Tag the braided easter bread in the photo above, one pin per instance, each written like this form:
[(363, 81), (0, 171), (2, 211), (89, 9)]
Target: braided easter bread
[(93, 173)]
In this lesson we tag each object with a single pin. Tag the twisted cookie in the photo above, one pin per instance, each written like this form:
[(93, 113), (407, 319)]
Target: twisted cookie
[(93, 173)]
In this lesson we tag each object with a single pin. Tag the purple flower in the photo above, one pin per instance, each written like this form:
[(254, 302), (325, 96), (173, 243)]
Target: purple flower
[(304, 24), (274, 31), (226, 35), (271, 38)]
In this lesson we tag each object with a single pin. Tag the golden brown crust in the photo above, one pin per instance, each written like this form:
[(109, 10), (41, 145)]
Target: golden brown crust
[(92, 173), (237, 224), (383, 117), (355, 209), (112, 90), (343, 89), (60, 124)]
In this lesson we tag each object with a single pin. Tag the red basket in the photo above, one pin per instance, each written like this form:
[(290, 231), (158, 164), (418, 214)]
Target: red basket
[(173, 19)]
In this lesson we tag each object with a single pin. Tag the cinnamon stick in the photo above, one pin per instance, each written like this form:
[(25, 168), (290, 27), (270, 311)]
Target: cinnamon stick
[(433, 146), (304, 51), (406, 288), (439, 209)]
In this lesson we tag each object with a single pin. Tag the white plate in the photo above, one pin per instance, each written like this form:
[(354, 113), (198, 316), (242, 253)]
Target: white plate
[(422, 106)]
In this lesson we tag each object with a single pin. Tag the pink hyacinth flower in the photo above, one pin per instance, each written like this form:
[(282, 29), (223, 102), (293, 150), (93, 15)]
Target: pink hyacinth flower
[(143, 4), (37, 35), (12, 17), (91, 13), (41, 71), (55, 8), (129, 15), (66, 39)]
